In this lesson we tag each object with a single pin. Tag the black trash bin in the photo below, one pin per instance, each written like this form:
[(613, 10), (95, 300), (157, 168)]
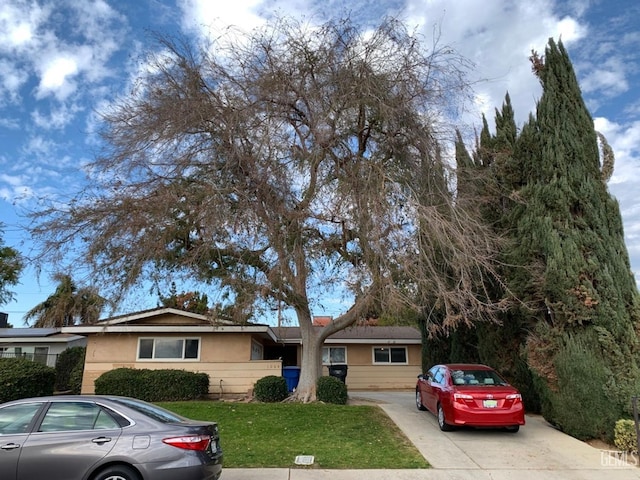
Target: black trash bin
[(339, 371)]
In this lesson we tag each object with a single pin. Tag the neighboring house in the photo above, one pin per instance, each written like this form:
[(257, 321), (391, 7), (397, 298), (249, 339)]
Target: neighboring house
[(41, 345), (236, 356)]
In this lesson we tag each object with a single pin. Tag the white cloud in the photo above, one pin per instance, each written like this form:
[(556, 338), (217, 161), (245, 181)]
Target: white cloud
[(57, 77), (498, 37), (206, 18), (610, 78), (20, 34), (19, 23), (15, 188), (568, 30), (57, 118), (11, 80), (39, 145)]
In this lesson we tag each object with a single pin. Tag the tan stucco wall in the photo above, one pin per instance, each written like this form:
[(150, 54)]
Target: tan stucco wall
[(362, 374), (224, 347), (224, 357)]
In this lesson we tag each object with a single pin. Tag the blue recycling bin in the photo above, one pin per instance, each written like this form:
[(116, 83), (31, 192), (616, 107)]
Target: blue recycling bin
[(291, 376)]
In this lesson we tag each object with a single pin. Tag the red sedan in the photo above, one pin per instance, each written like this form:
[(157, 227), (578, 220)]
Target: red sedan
[(469, 395)]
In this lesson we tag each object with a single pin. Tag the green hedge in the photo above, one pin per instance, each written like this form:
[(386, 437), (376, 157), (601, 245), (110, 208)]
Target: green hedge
[(271, 389), (69, 362), (153, 385), (331, 390), (580, 404), (20, 378)]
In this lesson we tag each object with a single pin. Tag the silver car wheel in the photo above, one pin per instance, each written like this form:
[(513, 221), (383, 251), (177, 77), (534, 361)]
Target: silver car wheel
[(419, 403), (444, 426), (117, 472)]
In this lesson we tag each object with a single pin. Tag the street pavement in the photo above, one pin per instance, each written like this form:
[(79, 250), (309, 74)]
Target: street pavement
[(537, 452)]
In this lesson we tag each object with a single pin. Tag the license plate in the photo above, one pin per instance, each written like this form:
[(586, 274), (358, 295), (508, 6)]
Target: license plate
[(490, 403)]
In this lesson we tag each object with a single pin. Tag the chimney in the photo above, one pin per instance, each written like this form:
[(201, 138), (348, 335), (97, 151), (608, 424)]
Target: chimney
[(4, 320)]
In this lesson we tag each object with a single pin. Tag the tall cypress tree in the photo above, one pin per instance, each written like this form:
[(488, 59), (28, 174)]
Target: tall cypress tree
[(579, 288), (573, 343), (496, 178)]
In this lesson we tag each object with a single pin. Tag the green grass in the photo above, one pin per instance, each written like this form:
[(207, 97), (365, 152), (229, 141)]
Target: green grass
[(338, 436)]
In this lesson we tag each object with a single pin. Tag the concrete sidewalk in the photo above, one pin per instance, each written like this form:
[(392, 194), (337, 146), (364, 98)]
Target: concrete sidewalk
[(537, 452)]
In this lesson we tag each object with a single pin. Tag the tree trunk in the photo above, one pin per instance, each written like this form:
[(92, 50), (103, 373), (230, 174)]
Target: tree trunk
[(313, 339), (311, 365)]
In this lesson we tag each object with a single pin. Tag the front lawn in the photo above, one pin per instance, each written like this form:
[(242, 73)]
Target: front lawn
[(272, 435)]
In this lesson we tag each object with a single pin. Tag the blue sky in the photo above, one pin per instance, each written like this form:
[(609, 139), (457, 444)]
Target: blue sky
[(61, 61)]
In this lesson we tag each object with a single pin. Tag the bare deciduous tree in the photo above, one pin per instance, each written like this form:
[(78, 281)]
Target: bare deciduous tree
[(281, 165)]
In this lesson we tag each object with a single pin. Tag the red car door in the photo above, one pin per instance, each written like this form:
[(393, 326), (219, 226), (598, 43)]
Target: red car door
[(439, 387), (432, 388)]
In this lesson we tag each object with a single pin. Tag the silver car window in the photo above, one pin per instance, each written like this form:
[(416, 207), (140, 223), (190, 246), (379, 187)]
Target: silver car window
[(69, 416), (16, 418), (152, 411)]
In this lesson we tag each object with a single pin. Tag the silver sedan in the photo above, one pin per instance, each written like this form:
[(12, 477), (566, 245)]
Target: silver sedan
[(104, 438)]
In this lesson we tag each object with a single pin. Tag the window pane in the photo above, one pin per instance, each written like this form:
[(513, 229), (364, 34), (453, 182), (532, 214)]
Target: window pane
[(40, 355), (16, 418), (150, 410), (191, 348), (105, 421), (398, 355), (381, 355), (168, 348), (68, 416), (146, 348), (338, 355), (325, 355)]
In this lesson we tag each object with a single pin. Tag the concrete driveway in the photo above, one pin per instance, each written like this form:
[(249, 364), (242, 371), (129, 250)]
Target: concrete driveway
[(537, 451)]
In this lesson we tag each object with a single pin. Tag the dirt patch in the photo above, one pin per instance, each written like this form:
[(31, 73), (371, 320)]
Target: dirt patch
[(601, 445)]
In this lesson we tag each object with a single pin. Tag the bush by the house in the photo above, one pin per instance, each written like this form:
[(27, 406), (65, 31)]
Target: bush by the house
[(271, 389), (69, 361), (331, 390), (75, 379), (21, 378), (625, 436), (581, 372), (153, 385)]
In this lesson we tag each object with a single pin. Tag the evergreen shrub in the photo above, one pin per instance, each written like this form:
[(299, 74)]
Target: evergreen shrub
[(153, 385), (331, 390), (21, 378), (69, 361), (581, 375), (271, 389), (625, 436), (75, 379)]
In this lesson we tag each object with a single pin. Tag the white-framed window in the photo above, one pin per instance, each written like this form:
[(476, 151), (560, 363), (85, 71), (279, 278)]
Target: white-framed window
[(390, 355), (168, 348), (334, 355), (257, 351)]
